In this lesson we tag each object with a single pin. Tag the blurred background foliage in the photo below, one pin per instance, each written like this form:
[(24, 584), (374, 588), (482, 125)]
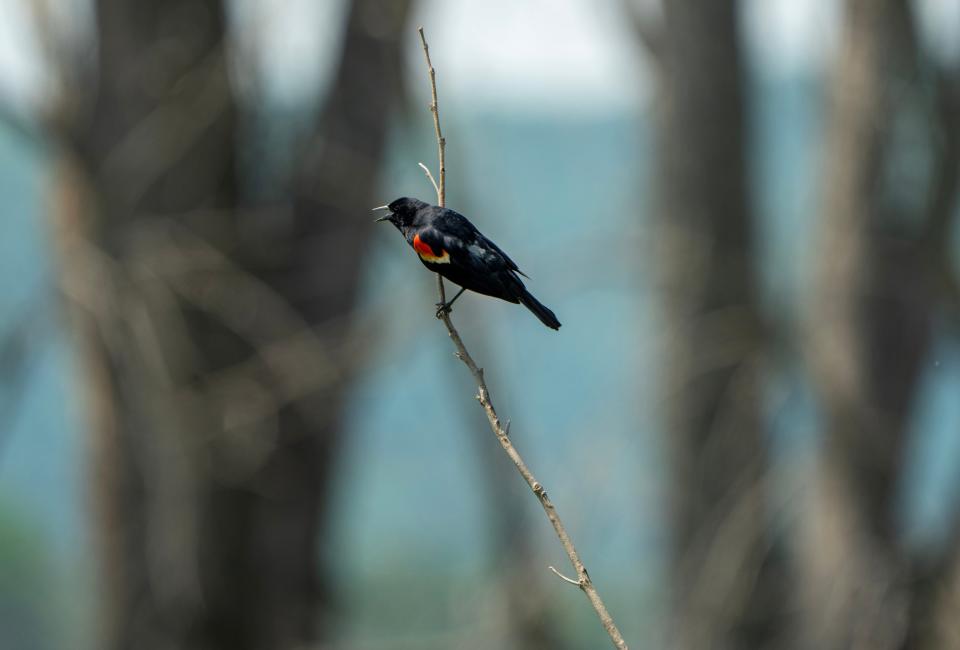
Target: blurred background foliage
[(228, 418)]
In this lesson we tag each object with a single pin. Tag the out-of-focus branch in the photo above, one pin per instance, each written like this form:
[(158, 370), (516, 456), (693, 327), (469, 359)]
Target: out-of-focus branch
[(941, 213), (17, 346), (583, 580), (648, 33)]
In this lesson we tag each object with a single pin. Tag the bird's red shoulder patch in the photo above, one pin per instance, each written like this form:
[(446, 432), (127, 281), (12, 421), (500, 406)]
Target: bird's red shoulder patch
[(427, 254)]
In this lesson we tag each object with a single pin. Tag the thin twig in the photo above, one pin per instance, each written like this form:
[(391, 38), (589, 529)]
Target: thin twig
[(583, 580), (426, 170), (563, 577), (435, 109)]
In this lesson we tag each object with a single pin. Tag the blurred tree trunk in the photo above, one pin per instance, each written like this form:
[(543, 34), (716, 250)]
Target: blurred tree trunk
[(877, 288), (215, 336), (723, 571)]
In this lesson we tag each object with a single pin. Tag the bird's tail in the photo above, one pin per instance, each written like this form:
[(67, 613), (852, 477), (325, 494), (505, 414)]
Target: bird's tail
[(539, 310)]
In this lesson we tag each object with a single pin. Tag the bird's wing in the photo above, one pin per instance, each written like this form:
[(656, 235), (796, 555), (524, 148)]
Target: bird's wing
[(461, 249), (510, 263), (462, 229)]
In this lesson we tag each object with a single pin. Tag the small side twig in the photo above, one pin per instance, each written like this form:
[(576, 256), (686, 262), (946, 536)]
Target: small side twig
[(426, 170), (563, 577), (583, 580)]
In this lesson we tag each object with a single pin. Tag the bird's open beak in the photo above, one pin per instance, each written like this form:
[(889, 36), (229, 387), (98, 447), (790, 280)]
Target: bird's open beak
[(383, 207)]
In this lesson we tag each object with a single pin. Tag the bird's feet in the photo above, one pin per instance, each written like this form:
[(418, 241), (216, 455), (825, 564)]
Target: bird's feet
[(444, 308)]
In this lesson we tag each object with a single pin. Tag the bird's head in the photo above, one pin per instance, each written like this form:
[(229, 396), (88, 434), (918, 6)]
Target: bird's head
[(402, 211)]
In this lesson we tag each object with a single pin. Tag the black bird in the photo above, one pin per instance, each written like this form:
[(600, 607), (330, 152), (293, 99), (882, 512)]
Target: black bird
[(448, 244)]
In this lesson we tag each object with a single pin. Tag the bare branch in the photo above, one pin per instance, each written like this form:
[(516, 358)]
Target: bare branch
[(435, 109), (483, 396)]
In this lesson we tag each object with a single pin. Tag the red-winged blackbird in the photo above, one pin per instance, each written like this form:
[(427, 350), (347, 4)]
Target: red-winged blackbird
[(448, 244)]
